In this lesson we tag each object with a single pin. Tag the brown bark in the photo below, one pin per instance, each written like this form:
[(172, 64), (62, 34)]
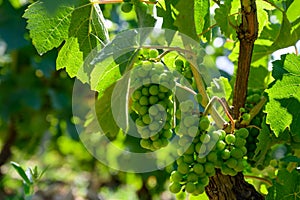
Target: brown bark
[(223, 187), (247, 34)]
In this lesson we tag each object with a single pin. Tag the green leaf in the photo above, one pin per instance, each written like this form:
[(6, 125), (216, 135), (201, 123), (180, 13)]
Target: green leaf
[(288, 35), (104, 113), (257, 77), (284, 99), (285, 186), (21, 172), (85, 34), (220, 87), (265, 141), (48, 30), (185, 20), (144, 19), (223, 20), (165, 11), (202, 15)]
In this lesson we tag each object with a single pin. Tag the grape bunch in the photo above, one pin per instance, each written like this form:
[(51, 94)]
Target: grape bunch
[(151, 101), (203, 152)]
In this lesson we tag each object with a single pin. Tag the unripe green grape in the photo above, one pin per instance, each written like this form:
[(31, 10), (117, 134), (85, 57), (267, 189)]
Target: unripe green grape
[(136, 95), (153, 90), (240, 166), (201, 160), (242, 110), (231, 162), (153, 53), (183, 168), (126, 7), (189, 121), (199, 189), (240, 142), (161, 95), (198, 168), (184, 141), (188, 159), (192, 177), (204, 123), (139, 122), (246, 116), (190, 187), (155, 78), (167, 134), (153, 100), (159, 67), (186, 106), (209, 167), (212, 157), (163, 89), (153, 110), (190, 149), (230, 139), (154, 137), (204, 180), (205, 138), (244, 150), (243, 133), (145, 143), (176, 176), (157, 144), (225, 154), (175, 187), (220, 145), (188, 74), (155, 126), (192, 131), (147, 65), (146, 119), (145, 91), (143, 110), (236, 153)]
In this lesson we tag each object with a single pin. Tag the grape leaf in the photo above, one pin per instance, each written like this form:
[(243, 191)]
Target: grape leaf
[(165, 11), (257, 77), (265, 141), (288, 35), (144, 19), (185, 21), (284, 99), (202, 16), (223, 20), (80, 25), (221, 88), (48, 30), (285, 186)]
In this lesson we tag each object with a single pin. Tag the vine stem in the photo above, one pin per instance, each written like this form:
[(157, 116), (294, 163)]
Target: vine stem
[(210, 104), (260, 179)]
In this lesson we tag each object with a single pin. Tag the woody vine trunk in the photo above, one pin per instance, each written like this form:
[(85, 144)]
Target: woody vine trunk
[(223, 187)]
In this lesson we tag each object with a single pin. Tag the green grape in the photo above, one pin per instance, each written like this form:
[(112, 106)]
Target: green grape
[(145, 91), (145, 143), (204, 180), (246, 116), (179, 62), (243, 133), (240, 142), (154, 90), (190, 150), (231, 162), (230, 139), (198, 168), (190, 187), (225, 154), (186, 106), (126, 7), (143, 110), (157, 144), (189, 121), (220, 145), (175, 187), (183, 168), (146, 119), (159, 67), (199, 189), (192, 177), (188, 159), (236, 153), (153, 53), (204, 123), (144, 101), (167, 134), (153, 100), (176, 176), (209, 167), (192, 131), (153, 110), (205, 138), (212, 157), (137, 94)]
